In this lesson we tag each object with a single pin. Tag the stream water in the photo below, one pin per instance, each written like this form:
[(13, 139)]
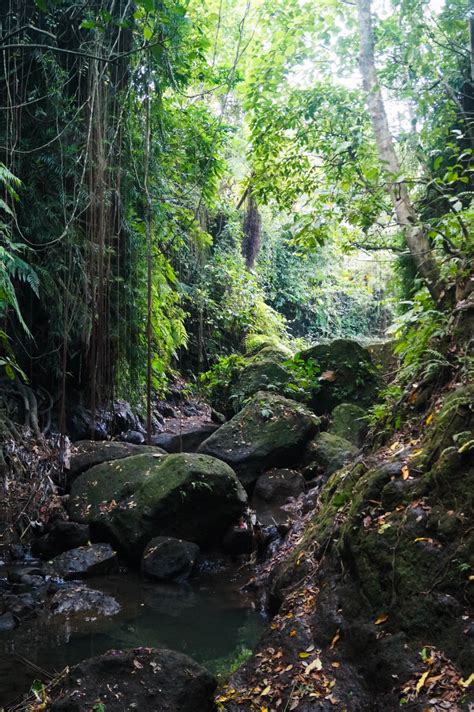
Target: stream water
[(209, 619)]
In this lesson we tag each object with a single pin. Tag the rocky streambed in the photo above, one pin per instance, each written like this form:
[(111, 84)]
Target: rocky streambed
[(207, 618), (361, 559)]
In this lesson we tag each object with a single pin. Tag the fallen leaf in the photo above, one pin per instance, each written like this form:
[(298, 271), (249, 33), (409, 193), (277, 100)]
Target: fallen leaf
[(421, 682), (293, 633), (328, 376), (468, 682), (316, 664), (335, 664), (382, 619), (335, 639), (429, 419), (266, 691), (303, 654), (405, 472)]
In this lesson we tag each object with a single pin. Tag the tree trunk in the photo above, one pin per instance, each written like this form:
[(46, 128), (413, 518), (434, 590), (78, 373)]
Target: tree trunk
[(415, 234), (252, 240)]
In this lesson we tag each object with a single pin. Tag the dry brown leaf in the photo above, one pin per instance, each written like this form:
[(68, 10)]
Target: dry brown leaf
[(383, 618), (328, 376)]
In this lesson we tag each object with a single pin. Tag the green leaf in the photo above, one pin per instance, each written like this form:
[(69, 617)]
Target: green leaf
[(88, 24)]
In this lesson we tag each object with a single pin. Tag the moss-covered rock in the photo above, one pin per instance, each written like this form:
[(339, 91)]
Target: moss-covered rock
[(348, 421), (402, 535), (130, 501), (87, 453), (450, 426), (265, 370), (347, 375), (326, 453), (271, 430)]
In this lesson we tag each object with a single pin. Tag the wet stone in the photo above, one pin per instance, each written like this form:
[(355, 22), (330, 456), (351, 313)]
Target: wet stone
[(84, 561), (79, 599), (166, 558)]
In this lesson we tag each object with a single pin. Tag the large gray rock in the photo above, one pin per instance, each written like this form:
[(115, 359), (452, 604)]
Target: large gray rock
[(88, 453), (348, 421), (270, 430), (83, 562), (148, 679), (166, 558), (130, 501)]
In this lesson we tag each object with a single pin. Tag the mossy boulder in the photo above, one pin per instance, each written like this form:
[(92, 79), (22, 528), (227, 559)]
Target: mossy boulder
[(87, 453), (269, 431), (265, 370), (130, 501), (326, 453), (348, 421), (254, 343), (347, 375)]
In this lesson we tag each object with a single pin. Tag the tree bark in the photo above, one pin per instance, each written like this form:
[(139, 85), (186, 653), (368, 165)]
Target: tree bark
[(415, 234)]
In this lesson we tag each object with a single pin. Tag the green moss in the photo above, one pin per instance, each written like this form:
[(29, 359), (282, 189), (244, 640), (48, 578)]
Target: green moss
[(348, 421), (269, 428), (455, 417), (355, 377), (194, 497), (109, 481), (327, 453)]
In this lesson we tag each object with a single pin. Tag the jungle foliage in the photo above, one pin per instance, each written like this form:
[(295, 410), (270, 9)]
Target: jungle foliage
[(178, 176)]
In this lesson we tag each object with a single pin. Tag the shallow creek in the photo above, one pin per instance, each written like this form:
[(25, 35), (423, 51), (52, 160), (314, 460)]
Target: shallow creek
[(209, 619)]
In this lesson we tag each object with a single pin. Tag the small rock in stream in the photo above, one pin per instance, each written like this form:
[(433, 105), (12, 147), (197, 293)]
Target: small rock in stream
[(166, 558), (84, 561), (79, 599)]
